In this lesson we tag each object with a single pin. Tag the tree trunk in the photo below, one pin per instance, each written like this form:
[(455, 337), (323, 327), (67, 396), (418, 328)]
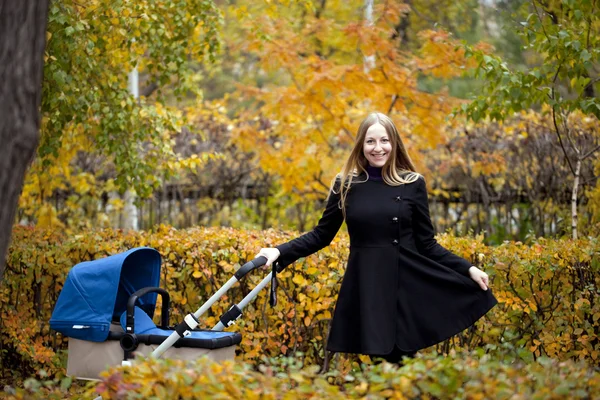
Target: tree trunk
[(130, 211), (22, 43), (369, 59), (574, 198)]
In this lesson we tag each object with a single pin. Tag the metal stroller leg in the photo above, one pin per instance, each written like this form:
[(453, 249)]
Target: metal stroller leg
[(191, 320), (189, 324)]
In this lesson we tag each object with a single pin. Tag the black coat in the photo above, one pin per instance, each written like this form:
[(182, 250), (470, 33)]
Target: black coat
[(400, 286)]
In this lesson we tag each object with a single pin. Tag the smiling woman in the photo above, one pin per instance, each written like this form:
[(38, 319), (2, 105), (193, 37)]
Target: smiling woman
[(402, 291), (377, 146)]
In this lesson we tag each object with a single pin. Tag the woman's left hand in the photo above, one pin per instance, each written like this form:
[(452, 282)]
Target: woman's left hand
[(480, 277)]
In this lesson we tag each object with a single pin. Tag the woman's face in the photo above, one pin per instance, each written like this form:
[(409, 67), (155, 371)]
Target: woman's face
[(377, 146)]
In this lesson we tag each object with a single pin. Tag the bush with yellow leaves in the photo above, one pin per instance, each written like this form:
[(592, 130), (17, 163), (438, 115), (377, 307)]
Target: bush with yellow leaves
[(457, 375), (547, 290)]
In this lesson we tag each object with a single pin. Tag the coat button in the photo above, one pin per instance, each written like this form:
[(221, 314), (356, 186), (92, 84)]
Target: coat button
[(395, 241), (398, 198), (395, 219)]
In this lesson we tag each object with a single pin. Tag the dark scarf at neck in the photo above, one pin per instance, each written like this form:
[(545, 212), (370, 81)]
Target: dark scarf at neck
[(374, 173)]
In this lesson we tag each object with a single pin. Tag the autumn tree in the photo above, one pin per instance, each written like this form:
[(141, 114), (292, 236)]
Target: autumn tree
[(302, 117), (22, 41), (563, 83), (95, 136)]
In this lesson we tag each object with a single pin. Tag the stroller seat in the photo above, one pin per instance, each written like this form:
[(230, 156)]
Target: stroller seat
[(149, 333)]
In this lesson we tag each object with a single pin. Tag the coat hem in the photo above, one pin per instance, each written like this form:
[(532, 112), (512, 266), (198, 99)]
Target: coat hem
[(490, 303), (371, 352)]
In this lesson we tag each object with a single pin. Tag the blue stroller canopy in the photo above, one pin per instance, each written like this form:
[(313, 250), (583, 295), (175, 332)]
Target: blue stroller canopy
[(96, 292)]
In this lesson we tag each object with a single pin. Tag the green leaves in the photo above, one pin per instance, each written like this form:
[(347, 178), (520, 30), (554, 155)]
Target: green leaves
[(89, 53), (569, 46)]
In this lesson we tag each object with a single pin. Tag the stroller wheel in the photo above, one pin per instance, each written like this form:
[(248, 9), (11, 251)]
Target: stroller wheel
[(129, 342)]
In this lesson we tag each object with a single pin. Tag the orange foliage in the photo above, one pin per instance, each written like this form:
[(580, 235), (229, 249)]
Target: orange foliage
[(305, 117), (546, 291)]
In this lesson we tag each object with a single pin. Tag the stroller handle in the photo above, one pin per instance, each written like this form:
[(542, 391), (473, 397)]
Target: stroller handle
[(249, 266), (164, 315), (191, 320)]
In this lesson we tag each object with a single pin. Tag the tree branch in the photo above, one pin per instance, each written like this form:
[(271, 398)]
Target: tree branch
[(320, 9), (589, 153), (560, 140), (148, 90), (556, 128), (393, 103)]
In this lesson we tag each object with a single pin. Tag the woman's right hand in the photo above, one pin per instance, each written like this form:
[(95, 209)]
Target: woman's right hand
[(270, 253)]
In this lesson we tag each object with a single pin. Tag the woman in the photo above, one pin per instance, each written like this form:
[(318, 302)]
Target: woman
[(402, 291)]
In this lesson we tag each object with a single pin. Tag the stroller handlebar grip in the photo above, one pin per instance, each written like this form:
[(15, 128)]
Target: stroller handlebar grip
[(249, 266)]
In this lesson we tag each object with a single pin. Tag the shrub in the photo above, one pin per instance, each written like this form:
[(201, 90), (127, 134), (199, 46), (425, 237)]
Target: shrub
[(471, 375), (547, 290)]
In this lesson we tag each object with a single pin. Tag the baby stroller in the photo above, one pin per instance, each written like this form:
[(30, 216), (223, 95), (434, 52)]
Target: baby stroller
[(106, 308)]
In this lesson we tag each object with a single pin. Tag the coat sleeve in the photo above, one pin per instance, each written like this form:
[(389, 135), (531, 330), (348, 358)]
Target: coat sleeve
[(424, 234), (320, 236)]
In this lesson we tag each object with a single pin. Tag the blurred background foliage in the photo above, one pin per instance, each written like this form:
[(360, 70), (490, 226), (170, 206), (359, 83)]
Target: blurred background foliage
[(247, 109)]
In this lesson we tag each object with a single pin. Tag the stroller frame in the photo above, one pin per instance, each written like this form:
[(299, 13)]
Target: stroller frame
[(89, 326), (191, 321)]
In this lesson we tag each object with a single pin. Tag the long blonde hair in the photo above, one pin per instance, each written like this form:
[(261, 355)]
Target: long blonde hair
[(398, 169)]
